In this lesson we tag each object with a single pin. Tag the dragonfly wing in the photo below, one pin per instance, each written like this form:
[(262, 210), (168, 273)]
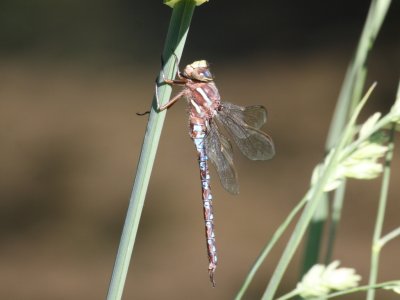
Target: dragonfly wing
[(253, 143), (254, 116), (220, 152)]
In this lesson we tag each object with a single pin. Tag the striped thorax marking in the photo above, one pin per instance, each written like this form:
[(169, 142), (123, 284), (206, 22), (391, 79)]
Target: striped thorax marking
[(204, 95)]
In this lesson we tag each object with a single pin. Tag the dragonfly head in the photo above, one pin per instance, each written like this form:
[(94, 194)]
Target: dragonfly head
[(199, 70)]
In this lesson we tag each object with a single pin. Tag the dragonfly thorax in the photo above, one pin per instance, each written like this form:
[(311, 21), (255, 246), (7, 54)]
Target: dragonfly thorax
[(204, 100)]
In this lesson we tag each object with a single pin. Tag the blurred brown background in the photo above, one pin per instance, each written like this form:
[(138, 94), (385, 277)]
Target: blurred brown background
[(72, 76)]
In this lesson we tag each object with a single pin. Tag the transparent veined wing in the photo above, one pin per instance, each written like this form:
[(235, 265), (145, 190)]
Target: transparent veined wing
[(254, 116), (243, 125), (219, 151)]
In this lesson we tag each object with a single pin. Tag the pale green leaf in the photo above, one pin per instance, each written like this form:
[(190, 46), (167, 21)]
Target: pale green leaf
[(370, 151), (368, 126)]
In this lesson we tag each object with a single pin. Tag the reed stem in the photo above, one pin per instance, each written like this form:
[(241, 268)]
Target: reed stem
[(177, 32)]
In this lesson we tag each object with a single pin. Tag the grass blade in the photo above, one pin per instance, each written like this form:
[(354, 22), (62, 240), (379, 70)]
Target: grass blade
[(349, 96), (176, 37)]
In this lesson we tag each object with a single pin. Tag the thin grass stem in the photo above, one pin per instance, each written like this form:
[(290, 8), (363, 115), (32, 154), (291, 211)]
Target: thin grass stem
[(315, 193), (268, 247), (386, 284), (360, 289), (314, 235), (390, 236), (337, 206), (376, 240), (376, 14), (178, 29), (347, 101)]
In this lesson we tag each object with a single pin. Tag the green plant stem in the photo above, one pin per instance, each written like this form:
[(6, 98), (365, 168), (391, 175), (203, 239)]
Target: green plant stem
[(359, 289), (289, 295), (314, 236), (268, 247), (390, 236), (297, 235), (376, 240), (348, 99), (355, 73), (336, 216), (176, 37), (315, 193), (344, 292)]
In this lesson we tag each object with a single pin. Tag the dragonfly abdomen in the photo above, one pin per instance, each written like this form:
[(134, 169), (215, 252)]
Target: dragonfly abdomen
[(198, 133)]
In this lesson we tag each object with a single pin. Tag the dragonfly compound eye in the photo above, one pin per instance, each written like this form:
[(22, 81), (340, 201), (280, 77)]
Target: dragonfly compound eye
[(207, 74)]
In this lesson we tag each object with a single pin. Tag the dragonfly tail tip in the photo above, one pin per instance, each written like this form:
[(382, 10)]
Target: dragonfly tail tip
[(212, 278)]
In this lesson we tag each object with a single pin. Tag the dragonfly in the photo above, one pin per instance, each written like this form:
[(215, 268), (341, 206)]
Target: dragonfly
[(212, 123)]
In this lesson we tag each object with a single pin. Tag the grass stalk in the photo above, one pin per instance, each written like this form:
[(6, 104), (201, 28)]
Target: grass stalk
[(177, 32), (315, 193), (347, 101), (356, 70), (359, 289), (268, 247), (337, 206), (376, 239), (362, 288), (390, 236), (314, 236)]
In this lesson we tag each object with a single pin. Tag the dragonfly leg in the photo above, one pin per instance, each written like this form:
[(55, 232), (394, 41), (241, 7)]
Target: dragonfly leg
[(180, 81), (176, 63), (170, 102)]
